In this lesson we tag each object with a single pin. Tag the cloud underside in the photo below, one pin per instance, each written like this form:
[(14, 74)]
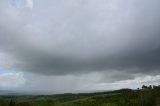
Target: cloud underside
[(78, 37)]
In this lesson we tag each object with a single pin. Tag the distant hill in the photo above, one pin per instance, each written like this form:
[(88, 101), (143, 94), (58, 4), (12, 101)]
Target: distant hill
[(7, 92), (147, 96)]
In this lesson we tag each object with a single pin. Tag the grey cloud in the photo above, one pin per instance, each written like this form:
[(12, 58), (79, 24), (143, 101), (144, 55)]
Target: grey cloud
[(69, 37)]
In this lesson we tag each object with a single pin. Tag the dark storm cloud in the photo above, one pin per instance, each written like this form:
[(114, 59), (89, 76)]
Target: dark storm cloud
[(84, 36)]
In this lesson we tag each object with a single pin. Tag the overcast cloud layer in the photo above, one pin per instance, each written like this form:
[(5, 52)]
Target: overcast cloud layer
[(78, 37)]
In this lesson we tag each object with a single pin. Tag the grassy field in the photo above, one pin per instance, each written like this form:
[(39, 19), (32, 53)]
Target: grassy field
[(147, 96)]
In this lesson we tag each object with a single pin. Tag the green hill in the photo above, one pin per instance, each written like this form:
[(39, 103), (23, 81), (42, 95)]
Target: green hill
[(147, 96)]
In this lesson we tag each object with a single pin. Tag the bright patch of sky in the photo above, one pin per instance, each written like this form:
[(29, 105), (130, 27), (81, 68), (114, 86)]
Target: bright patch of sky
[(22, 3), (3, 70), (11, 80)]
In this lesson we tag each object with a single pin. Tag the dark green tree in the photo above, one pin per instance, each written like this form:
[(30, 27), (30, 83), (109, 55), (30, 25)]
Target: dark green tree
[(12, 103), (144, 87)]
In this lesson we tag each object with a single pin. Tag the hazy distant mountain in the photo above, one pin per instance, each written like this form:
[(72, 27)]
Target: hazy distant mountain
[(7, 92)]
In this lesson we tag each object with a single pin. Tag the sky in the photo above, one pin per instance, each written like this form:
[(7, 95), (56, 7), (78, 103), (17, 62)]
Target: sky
[(60, 46)]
